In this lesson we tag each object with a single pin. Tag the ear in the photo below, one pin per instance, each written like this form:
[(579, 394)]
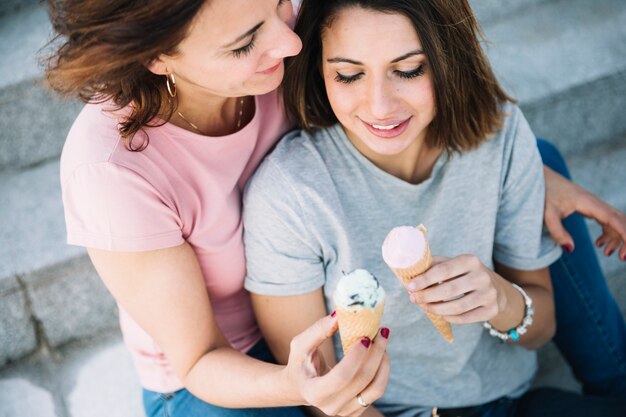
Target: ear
[(158, 66)]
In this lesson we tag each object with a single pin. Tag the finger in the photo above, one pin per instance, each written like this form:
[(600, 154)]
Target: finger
[(473, 316), (371, 393), (446, 291), (557, 231), (618, 223), (601, 241), (370, 366), (610, 247), (444, 271), (459, 306), (622, 252), (309, 340), (344, 373)]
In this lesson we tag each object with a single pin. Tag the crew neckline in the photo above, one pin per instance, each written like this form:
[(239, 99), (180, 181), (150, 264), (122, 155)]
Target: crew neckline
[(381, 173)]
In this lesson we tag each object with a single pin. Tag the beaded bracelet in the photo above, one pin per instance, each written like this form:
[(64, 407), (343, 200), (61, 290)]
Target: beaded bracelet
[(515, 333)]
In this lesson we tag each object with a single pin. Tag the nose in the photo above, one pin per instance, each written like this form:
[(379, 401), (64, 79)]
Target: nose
[(380, 98), (285, 43)]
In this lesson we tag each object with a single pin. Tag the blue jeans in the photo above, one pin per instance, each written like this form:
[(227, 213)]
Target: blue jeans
[(182, 403), (551, 402), (591, 333)]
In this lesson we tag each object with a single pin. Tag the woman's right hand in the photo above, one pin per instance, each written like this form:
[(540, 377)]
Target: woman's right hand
[(364, 370)]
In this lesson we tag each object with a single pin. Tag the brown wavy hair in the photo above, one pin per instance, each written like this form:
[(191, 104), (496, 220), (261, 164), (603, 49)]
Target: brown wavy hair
[(467, 94), (101, 50)]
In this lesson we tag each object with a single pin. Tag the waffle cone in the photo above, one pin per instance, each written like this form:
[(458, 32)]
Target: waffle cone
[(407, 274), (355, 325)]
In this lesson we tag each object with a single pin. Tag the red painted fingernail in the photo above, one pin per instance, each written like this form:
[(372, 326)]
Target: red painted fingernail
[(610, 252), (366, 342), (568, 247), (599, 244), (333, 314), (624, 258), (384, 332)]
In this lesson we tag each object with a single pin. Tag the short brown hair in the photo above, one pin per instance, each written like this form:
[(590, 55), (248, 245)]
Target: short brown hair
[(102, 48), (467, 94)]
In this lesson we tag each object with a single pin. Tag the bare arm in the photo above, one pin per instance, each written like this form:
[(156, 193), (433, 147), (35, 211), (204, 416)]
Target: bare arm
[(164, 291), (563, 198), (369, 378), (484, 295)]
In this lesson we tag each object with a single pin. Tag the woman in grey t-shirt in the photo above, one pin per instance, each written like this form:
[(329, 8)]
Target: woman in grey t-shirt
[(425, 135)]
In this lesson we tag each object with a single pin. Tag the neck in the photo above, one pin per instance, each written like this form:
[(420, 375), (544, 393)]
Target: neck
[(209, 114), (413, 165)]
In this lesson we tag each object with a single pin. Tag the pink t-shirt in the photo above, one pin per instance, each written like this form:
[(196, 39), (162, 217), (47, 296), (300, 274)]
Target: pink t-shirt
[(182, 187)]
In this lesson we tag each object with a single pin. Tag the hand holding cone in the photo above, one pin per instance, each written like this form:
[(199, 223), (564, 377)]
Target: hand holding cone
[(406, 252)]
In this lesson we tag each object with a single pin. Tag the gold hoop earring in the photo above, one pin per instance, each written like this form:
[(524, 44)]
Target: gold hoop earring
[(171, 88)]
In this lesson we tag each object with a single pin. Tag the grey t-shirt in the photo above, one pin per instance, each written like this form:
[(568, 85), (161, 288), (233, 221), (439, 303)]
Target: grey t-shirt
[(317, 207)]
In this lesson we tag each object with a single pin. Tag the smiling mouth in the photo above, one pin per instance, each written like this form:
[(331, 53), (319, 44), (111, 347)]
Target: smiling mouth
[(385, 127), (388, 130), (271, 69)]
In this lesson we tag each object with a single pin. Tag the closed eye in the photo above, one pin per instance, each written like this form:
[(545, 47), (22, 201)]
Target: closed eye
[(411, 74), (244, 50), (347, 79)]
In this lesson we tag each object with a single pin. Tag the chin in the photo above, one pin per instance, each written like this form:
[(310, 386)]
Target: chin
[(389, 148), (268, 83)]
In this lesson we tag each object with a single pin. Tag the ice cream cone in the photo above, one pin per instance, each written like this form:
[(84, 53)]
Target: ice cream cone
[(359, 302), (355, 325), (405, 275)]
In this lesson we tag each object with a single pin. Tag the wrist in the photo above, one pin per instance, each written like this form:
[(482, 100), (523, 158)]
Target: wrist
[(511, 308), (514, 333), (288, 388)]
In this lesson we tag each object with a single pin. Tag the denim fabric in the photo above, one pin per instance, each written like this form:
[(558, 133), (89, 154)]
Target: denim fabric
[(591, 333), (554, 402), (550, 402), (184, 404)]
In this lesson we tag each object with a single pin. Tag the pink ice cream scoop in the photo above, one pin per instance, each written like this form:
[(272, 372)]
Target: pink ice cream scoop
[(404, 246), (406, 252)]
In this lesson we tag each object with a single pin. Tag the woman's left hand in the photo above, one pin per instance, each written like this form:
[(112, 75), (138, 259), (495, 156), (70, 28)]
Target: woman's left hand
[(563, 198), (460, 289)]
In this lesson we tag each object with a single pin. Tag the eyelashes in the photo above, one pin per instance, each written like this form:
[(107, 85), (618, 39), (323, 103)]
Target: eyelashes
[(411, 74), (245, 50), (407, 75)]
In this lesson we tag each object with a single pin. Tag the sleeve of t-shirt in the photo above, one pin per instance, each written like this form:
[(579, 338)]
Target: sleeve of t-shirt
[(111, 207), (521, 241), (282, 257)]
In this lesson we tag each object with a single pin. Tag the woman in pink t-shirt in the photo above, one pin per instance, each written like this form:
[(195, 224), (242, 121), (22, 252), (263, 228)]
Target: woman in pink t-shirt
[(182, 108)]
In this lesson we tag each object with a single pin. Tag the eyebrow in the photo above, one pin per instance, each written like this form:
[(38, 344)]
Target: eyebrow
[(245, 35), (393, 61)]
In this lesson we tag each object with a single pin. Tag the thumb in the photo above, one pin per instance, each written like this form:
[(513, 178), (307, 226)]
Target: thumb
[(557, 231), (310, 339)]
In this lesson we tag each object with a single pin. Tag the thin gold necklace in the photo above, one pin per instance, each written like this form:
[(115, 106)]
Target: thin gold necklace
[(196, 128)]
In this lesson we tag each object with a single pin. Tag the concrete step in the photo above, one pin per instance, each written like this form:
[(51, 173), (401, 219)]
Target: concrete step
[(49, 292), (490, 10), (94, 377), (35, 122), (566, 63), (8, 7)]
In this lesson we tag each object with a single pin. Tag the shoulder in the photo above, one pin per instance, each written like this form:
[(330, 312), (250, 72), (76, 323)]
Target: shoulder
[(92, 139), (297, 163), (299, 153), (513, 135)]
